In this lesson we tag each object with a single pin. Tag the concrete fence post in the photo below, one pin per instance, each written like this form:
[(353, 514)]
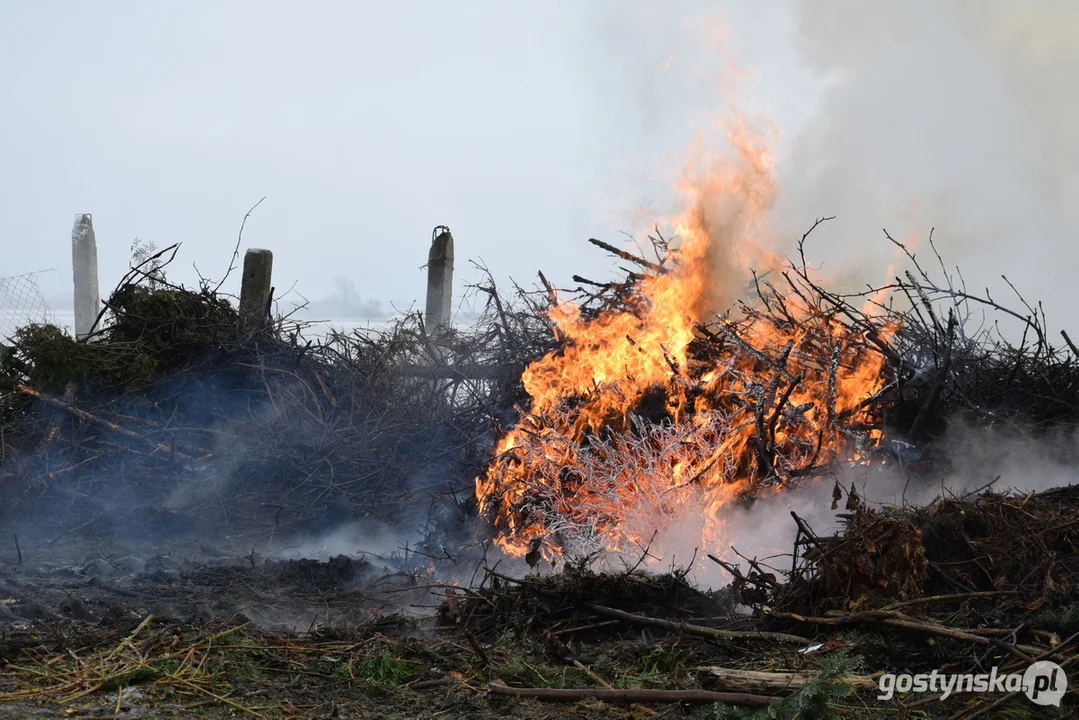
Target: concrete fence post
[(255, 286), (84, 274), (439, 282)]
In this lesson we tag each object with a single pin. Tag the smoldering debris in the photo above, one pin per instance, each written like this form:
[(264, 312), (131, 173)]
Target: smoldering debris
[(968, 583), (278, 595), (176, 419)]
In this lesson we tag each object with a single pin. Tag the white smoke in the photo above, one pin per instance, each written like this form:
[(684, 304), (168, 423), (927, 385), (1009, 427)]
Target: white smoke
[(1004, 459), (958, 115)]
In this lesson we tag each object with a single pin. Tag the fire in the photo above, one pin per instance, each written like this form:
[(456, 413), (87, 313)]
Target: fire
[(660, 410)]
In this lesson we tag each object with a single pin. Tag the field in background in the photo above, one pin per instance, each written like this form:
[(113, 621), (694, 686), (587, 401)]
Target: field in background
[(66, 320)]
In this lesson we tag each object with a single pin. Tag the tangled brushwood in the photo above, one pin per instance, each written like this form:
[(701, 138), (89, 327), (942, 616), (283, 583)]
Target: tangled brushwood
[(644, 410), (177, 410)]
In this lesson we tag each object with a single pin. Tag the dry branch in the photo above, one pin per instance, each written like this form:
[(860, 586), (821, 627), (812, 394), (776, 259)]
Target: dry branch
[(648, 265), (83, 415), (698, 630), (896, 620), (698, 697)]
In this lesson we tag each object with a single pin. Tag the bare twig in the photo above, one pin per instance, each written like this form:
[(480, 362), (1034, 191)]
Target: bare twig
[(236, 250)]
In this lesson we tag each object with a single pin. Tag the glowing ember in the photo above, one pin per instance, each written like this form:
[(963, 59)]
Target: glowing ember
[(649, 410)]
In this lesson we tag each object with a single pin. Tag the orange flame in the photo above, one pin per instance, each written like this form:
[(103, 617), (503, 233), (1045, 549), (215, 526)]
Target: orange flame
[(631, 424)]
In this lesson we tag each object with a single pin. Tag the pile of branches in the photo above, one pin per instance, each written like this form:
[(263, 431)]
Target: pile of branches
[(767, 392), (967, 585), (953, 356), (560, 604), (969, 354), (179, 403), (1021, 547), (807, 376)]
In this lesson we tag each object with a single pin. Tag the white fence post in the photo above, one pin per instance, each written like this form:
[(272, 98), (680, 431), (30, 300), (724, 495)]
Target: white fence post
[(84, 274)]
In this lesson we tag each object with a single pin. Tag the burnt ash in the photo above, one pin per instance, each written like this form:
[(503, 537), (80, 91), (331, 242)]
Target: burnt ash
[(194, 584)]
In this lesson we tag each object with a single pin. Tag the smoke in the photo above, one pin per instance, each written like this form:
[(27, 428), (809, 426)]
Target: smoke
[(1004, 459), (369, 538), (953, 115), (956, 115)]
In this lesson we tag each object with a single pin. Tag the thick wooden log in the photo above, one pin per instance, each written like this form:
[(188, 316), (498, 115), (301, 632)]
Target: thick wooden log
[(771, 683)]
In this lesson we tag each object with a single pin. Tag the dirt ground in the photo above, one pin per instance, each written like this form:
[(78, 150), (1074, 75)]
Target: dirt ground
[(94, 625), (240, 635), (193, 624)]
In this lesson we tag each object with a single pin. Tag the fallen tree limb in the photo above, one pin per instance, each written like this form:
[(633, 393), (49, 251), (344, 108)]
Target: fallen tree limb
[(949, 598), (83, 415), (898, 621), (1070, 343), (607, 686), (698, 630), (701, 697), (592, 676), (761, 682)]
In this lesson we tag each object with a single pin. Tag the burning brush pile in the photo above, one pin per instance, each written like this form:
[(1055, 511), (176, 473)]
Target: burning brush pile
[(654, 410)]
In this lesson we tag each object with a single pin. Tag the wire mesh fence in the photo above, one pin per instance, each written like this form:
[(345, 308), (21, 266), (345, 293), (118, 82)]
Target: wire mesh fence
[(22, 302)]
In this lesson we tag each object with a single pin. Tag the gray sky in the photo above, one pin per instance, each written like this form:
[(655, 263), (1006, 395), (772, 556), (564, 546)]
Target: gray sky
[(526, 128), (363, 124)]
